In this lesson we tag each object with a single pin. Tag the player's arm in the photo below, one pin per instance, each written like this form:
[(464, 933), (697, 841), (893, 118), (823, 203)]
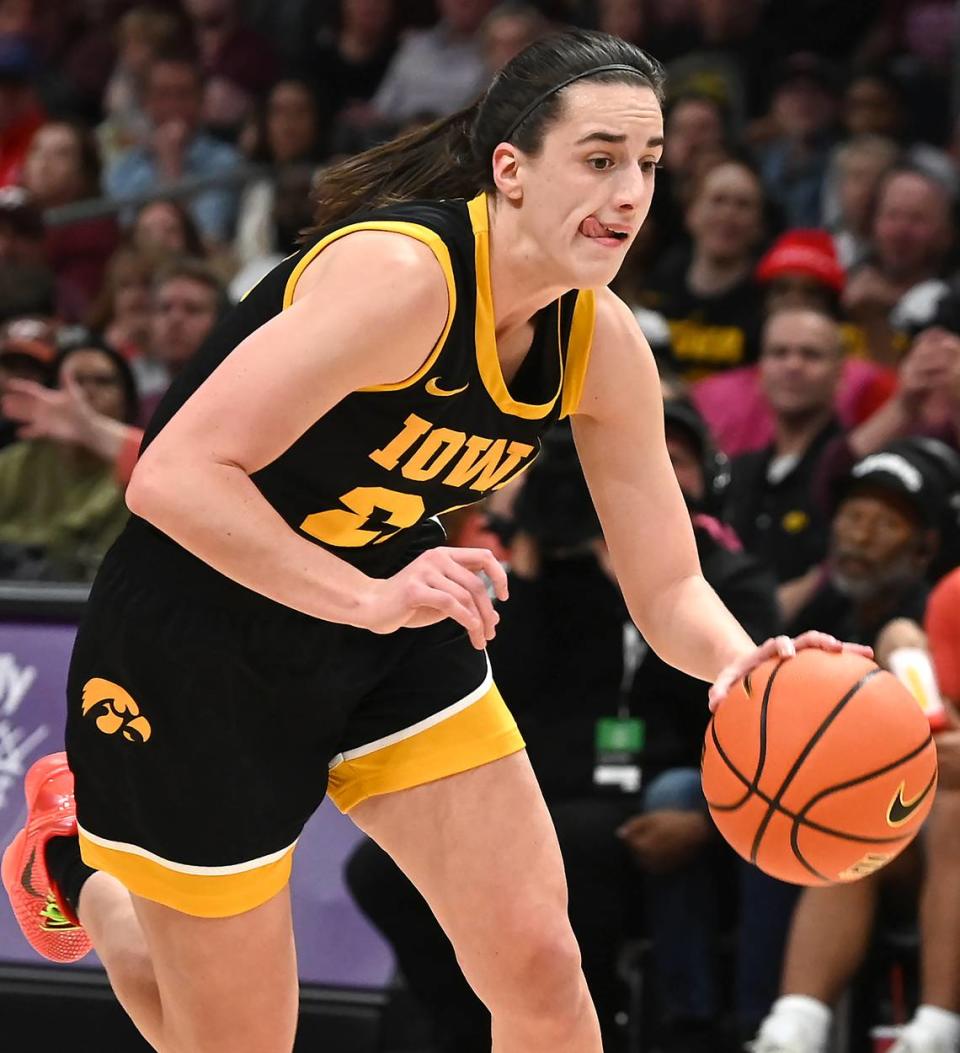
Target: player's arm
[(619, 432), (368, 311)]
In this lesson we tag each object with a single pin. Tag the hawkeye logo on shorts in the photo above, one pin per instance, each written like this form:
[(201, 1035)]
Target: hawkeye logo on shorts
[(114, 710)]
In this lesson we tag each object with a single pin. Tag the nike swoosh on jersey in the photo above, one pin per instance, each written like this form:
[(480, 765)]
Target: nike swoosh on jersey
[(900, 810), (433, 388)]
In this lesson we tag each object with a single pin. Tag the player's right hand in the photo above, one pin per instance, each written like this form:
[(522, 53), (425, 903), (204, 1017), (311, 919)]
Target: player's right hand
[(441, 583)]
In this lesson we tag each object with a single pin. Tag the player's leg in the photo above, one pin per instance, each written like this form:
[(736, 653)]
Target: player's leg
[(481, 848), (207, 985)]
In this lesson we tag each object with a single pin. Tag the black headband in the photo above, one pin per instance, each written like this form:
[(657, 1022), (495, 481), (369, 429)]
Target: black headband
[(527, 110)]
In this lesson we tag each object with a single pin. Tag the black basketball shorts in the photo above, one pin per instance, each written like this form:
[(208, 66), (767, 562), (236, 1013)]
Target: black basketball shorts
[(203, 734)]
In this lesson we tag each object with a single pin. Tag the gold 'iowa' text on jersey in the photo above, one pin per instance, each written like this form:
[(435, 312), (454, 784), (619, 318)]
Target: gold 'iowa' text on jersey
[(419, 452)]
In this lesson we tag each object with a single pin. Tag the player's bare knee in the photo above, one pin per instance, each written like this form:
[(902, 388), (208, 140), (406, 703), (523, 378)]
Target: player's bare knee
[(545, 964)]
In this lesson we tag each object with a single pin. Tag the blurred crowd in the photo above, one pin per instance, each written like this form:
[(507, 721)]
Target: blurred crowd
[(799, 282)]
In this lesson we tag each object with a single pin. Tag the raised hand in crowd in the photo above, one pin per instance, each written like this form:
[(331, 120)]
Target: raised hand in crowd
[(64, 415)]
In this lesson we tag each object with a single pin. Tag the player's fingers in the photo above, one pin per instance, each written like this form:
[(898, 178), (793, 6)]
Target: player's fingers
[(822, 641), (857, 648), (443, 599), (482, 560), (784, 646), (478, 591), (718, 692)]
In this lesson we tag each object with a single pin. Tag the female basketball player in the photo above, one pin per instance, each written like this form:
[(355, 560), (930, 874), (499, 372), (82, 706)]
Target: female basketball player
[(282, 615)]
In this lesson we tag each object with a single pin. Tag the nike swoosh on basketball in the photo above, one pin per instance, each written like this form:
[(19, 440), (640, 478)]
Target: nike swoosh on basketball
[(900, 810), (433, 388)]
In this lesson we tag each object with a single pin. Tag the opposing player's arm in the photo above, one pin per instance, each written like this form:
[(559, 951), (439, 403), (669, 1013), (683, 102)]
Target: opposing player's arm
[(368, 311), (619, 432)]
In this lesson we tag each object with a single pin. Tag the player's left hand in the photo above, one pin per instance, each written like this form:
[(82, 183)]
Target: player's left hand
[(778, 646)]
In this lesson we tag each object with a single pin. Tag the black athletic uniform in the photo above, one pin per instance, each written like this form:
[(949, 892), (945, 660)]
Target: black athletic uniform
[(205, 720)]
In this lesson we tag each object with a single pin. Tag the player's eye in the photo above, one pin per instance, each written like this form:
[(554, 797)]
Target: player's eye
[(600, 164), (649, 167)]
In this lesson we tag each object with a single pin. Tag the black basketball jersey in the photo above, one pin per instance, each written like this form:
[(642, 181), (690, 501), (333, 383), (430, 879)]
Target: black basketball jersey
[(388, 458)]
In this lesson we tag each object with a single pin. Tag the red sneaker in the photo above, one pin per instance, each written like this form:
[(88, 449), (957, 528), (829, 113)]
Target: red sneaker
[(50, 926)]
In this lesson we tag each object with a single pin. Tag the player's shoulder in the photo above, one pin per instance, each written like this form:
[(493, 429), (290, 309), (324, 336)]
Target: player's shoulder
[(615, 322)]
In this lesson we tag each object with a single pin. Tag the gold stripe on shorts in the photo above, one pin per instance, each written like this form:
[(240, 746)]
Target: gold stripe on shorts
[(205, 892), (480, 732)]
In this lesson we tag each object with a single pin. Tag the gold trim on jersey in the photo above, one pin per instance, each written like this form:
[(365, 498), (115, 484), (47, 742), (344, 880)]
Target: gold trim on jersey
[(488, 361), (579, 341), (428, 237), (578, 350), (204, 892), (468, 734)]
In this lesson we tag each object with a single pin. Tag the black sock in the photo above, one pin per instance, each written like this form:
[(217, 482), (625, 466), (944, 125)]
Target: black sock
[(67, 869)]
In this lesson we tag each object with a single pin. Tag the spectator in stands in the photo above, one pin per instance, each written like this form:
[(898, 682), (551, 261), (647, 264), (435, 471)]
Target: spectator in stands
[(804, 110), (436, 71), (730, 57), (163, 229), (142, 33), (60, 507), (773, 504), (858, 168), (897, 289), (22, 230), (121, 313), (885, 527), (693, 125), (21, 112), (508, 29), (561, 593), (26, 290), (708, 294), (696, 138), (27, 350), (875, 103), (352, 57), (289, 135), (62, 168), (186, 300), (229, 48), (799, 270), (178, 149)]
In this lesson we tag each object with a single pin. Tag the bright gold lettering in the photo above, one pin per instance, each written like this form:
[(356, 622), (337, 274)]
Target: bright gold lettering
[(414, 427)]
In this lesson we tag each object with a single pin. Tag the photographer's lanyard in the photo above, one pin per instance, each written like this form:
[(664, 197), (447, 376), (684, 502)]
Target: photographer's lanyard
[(619, 740)]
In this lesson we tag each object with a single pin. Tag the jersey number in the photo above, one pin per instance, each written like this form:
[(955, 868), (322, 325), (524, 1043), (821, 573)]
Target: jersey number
[(371, 514)]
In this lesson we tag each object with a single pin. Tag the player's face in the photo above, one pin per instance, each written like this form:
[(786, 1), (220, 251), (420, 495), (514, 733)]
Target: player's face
[(586, 194)]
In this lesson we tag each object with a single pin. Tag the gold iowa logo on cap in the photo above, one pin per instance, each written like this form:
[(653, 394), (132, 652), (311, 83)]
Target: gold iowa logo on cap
[(114, 710)]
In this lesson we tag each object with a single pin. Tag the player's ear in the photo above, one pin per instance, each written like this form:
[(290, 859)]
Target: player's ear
[(506, 172)]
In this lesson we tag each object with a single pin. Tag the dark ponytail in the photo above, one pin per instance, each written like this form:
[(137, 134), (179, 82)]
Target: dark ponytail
[(450, 158)]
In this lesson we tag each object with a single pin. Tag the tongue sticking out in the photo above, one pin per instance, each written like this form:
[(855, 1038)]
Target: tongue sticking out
[(593, 228)]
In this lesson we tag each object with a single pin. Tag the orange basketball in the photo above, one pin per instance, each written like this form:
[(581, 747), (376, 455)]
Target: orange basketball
[(819, 768)]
